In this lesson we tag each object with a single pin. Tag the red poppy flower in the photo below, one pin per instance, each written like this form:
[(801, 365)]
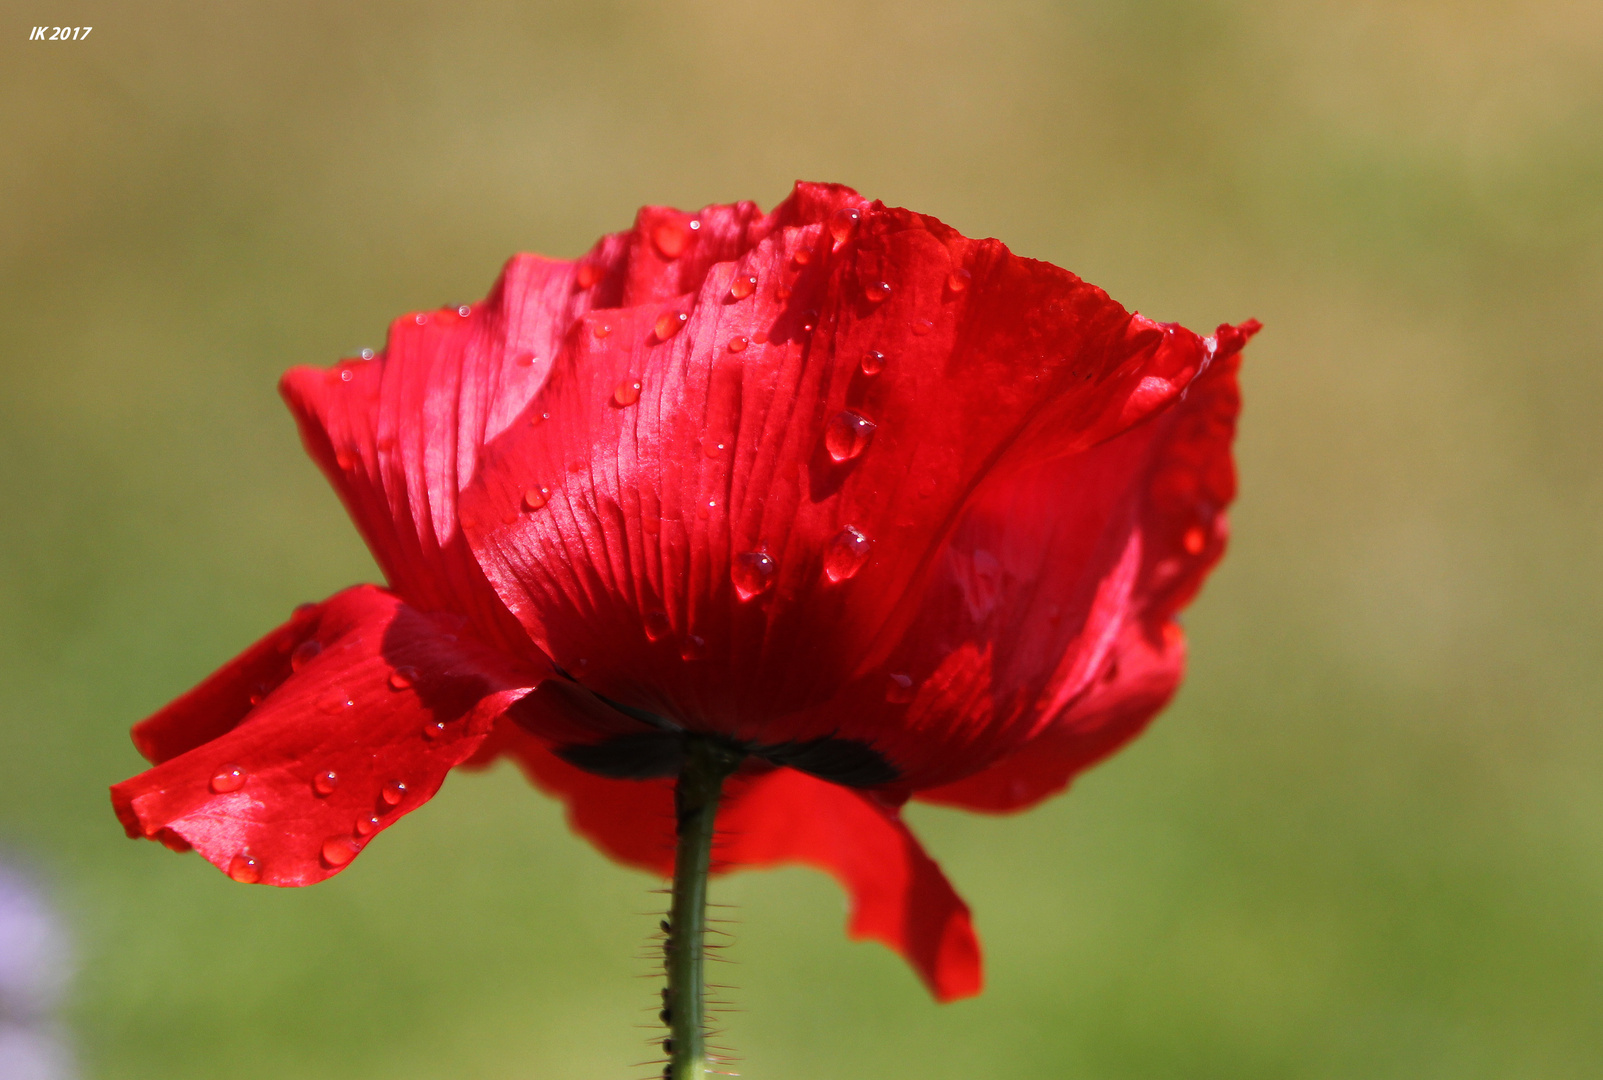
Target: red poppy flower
[(895, 512)]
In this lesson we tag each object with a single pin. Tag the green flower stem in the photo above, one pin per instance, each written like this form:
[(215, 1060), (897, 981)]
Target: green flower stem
[(707, 765)]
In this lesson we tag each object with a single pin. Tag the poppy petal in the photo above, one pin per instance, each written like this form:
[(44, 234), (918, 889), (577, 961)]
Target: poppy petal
[(737, 523), (282, 766), (772, 817)]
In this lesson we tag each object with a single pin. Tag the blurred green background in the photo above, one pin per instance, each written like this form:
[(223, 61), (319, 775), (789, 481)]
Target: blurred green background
[(1367, 839)]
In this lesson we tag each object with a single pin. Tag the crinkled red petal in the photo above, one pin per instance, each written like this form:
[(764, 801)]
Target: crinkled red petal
[(281, 767)]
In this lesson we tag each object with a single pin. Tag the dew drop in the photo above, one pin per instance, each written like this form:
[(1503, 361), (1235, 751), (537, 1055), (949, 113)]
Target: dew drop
[(367, 825), (922, 326), (464, 310), (670, 323), (873, 362), (958, 280), (753, 573), (367, 354), (588, 275), (877, 292), (802, 256), (402, 678), (393, 792), (525, 359), (657, 625), (626, 393), (846, 555), (848, 435), (601, 330), (842, 222), (244, 869), (694, 648), (325, 782), (334, 701), (1194, 540), (711, 447), (536, 497), (738, 344), (760, 338), (338, 850), (343, 460), (420, 319), (671, 238), (304, 653), (346, 374), (743, 286), (705, 512), (809, 321), (899, 689), (228, 778), (435, 730)]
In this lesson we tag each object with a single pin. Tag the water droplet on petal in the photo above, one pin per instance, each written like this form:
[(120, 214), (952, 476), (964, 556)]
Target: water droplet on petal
[(627, 393), (244, 869), (525, 359), (809, 321), (657, 625), (536, 497), (304, 652), (848, 435), (711, 447), (1194, 540), (877, 292), (671, 238), (760, 338), (420, 319), (669, 323), (922, 326), (743, 286), (694, 648), (435, 730), (601, 330), (334, 701), (394, 792), (753, 573), (899, 689), (228, 778), (402, 678), (846, 555), (325, 782), (346, 374), (464, 310), (802, 256), (842, 222), (587, 275), (873, 362), (738, 344), (338, 850), (367, 354), (958, 280), (367, 825)]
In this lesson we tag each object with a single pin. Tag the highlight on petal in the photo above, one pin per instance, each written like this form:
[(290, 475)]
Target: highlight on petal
[(281, 767)]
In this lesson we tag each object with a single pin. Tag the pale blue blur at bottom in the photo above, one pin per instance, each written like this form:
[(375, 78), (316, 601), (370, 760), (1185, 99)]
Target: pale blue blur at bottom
[(1367, 839)]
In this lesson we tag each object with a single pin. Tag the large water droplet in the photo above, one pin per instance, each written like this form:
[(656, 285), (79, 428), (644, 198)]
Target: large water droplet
[(743, 286), (587, 275), (402, 678), (899, 689), (228, 778), (304, 653), (877, 292), (846, 555), (367, 825), (958, 280), (244, 869), (670, 323), (339, 850), (848, 435), (325, 782), (394, 792), (753, 573), (536, 497), (657, 625), (738, 344), (671, 238), (626, 393), (842, 222), (873, 362)]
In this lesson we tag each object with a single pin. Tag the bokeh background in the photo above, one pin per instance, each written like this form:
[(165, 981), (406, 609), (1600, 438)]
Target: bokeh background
[(1367, 839)]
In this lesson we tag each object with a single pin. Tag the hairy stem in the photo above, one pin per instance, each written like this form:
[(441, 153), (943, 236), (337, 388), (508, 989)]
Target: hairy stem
[(707, 765)]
